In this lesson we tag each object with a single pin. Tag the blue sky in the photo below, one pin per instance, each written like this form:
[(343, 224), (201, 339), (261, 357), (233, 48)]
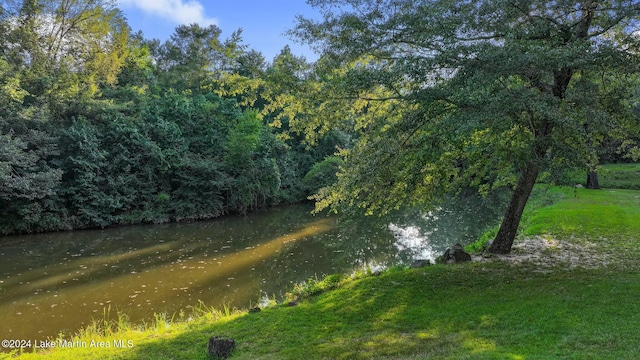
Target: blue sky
[(263, 21)]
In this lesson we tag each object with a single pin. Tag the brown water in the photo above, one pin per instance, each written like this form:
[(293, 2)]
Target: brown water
[(59, 282)]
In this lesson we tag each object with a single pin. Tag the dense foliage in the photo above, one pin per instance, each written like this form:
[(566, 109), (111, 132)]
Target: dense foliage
[(99, 126), (447, 95), (410, 101)]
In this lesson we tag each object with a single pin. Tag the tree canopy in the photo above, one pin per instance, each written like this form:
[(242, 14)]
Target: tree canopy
[(99, 126), (422, 98), (451, 94)]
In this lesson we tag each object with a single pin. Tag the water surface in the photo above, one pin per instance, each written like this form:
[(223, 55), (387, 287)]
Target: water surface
[(59, 282)]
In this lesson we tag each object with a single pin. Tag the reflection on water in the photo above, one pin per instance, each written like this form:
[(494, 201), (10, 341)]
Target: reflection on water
[(411, 241), (52, 283)]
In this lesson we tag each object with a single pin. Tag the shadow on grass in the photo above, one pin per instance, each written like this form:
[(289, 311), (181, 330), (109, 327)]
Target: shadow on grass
[(474, 312)]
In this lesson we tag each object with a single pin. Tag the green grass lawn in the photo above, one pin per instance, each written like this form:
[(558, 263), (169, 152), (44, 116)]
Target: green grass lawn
[(589, 214), (461, 312), (610, 176), (477, 311), (484, 310)]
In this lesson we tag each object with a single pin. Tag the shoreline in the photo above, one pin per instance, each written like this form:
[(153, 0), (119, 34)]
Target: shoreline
[(550, 297)]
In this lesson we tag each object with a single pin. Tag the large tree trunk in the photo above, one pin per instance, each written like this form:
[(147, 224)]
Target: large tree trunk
[(509, 227), (592, 179)]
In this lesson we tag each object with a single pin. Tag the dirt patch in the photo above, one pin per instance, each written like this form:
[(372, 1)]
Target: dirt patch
[(546, 253)]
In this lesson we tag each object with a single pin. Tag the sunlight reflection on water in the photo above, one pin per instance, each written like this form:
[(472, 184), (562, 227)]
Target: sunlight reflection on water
[(411, 240), (61, 281)]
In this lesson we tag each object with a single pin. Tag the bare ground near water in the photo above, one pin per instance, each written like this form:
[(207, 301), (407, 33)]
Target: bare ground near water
[(546, 253)]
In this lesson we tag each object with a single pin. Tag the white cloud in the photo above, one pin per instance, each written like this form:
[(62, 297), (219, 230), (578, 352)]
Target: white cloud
[(181, 12)]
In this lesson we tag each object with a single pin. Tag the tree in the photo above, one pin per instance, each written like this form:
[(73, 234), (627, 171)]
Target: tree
[(26, 179), (84, 36), (450, 94), (256, 175), (250, 64), (194, 56), (22, 173), (285, 80)]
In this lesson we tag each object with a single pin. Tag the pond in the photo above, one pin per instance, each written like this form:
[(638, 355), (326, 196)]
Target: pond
[(58, 282)]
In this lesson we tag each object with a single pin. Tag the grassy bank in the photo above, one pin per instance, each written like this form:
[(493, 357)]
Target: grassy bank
[(610, 176), (491, 309)]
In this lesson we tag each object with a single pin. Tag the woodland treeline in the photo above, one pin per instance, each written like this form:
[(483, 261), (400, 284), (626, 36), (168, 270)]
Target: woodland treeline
[(419, 99), (100, 126)]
